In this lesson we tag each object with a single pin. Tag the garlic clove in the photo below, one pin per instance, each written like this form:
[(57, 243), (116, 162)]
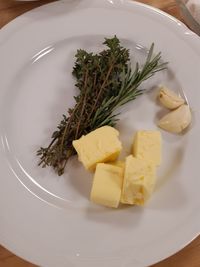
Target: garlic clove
[(169, 99), (177, 120)]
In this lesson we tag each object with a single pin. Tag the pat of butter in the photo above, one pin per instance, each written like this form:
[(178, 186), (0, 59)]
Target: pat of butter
[(100, 145), (107, 185), (118, 163), (147, 146), (139, 181)]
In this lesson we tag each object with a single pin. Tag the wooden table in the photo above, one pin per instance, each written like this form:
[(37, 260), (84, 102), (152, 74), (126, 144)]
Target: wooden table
[(189, 256)]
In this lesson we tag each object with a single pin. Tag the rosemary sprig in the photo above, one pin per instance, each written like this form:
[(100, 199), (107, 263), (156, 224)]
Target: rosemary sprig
[(105, 82)]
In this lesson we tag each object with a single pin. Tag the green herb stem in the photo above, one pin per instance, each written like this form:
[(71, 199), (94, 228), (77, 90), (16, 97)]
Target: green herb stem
[(106, 82)]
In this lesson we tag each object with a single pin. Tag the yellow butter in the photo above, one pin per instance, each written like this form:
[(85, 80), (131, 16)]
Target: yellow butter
[(107, 185), (118, 163), (101, 145), (147, 146), (139, 181)]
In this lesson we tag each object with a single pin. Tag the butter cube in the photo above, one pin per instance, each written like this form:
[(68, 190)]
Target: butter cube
[(139, 181), (107, 185), (147, 146), (101, 145), (118, 163)]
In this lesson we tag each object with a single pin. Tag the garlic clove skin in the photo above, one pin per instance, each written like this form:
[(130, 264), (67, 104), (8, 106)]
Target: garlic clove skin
[(177, 120), (169, 99)]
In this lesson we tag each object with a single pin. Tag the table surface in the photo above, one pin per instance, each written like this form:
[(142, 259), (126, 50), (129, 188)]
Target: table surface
[(190, 255)]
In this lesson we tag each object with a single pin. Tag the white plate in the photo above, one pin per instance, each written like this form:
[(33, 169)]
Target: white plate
[(49, 220)]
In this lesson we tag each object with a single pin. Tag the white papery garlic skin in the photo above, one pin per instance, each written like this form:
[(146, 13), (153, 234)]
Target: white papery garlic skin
[(169, 99), (177, 120)]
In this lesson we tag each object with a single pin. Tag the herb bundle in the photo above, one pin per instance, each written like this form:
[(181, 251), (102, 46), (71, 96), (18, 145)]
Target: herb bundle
[(105, 82)]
